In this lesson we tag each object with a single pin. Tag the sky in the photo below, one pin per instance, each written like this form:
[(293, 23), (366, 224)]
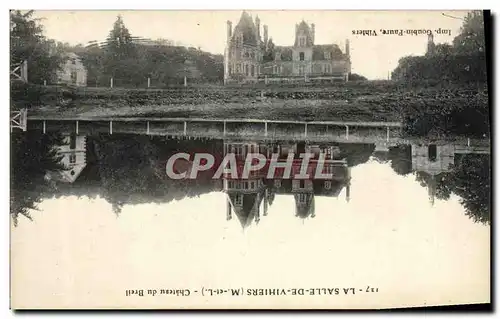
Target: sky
[(393, 239), (371, 56)]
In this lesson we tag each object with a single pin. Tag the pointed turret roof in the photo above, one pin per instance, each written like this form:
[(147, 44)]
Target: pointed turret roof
[(249, 210), (246, 27), (304, 210)]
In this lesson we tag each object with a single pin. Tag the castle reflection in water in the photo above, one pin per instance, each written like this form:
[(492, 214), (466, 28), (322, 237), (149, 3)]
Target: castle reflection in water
[(250, 198), (130, 169)]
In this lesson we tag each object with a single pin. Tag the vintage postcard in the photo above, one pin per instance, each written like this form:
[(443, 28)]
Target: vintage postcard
[(249, 159)]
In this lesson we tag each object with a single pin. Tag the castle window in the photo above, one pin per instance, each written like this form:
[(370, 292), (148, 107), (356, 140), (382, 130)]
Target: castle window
[(238, 68), (328, 68), (252, 55), (302, 198), (277, 182), (328, 56), (301, 56), (72, 141), (238, 200), (275, 69), (72, 159), (302, 183), (253, 70), (301, 70), (246, 55), (302, 41), (328, 184), (432, 152), (74, 76), (246, 69)]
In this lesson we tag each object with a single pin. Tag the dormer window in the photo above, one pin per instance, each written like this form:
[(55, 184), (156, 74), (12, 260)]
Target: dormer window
[(328, 55), (238, 200), (302, 41), (302, 198)]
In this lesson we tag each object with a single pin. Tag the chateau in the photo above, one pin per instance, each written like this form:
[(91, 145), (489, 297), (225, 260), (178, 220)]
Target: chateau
[(249, 58)]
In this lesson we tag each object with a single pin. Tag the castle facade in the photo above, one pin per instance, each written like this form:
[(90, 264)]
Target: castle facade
[(249, 58)]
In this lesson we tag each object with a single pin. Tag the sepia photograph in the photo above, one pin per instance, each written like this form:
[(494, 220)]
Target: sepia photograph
[(250, 159)]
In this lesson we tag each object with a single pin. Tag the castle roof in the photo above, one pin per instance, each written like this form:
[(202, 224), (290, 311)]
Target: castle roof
[(247, 28), (304, 210), (319, 51), (250, 208), (303, 27)]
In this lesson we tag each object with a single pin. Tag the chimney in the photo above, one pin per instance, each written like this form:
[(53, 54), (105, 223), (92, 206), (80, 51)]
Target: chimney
[(265, 35), (229, 30), (347, 48), (257, 25), (313, 31)]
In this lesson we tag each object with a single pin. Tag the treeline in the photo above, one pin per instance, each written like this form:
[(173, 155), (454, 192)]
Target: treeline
[(131, 63), (122, 57), (463, 61)]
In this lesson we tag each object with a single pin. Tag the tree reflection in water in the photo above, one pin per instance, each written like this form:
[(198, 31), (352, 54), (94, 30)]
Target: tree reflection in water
[(130, 169), (32, 156), (469, 177)]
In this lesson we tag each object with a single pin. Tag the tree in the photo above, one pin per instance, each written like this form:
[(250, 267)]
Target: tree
[(33, 155), (119, 52), (472, 182), (27, 42), (356, 77), (471, 38), (270, 51)]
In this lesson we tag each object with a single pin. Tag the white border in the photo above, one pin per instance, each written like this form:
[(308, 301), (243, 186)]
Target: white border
[(189, 4)]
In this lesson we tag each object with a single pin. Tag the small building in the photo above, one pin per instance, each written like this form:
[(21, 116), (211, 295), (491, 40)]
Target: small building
[(432, 159), (73, 153), (72, 72)]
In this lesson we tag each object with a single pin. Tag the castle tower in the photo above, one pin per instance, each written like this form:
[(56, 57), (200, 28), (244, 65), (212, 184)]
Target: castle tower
[(313, 32), (430, 43), (228, 209), (229, 32), (257, 25), (432, 187), (242, 54), (265, 36)]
